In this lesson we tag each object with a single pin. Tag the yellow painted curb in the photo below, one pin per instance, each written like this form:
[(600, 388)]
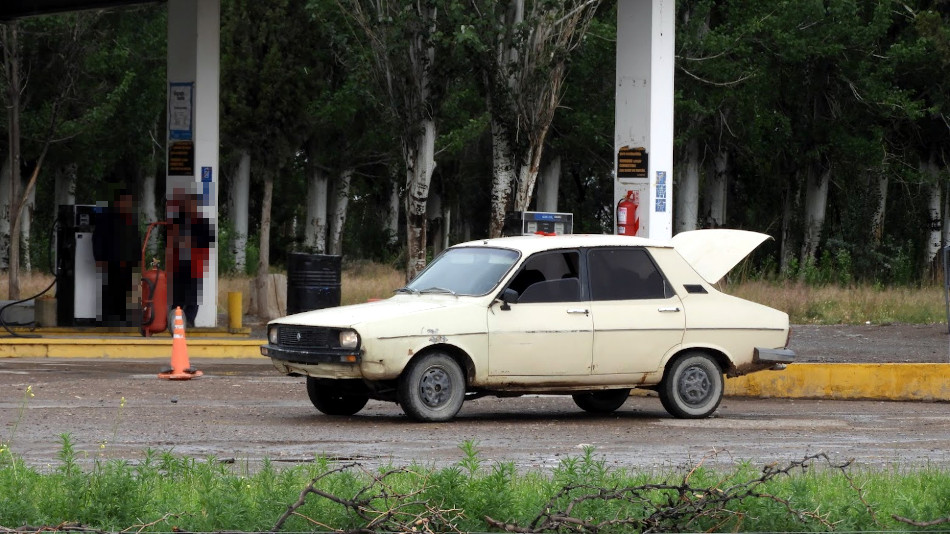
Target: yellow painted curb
[(125, 331), (153, 347), (885, 381)]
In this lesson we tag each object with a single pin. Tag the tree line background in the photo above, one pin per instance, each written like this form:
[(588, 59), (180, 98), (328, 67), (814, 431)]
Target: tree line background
[(388, 130)]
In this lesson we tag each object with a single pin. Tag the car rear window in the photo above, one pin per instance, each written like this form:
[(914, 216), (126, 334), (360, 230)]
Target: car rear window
[(624, 274)]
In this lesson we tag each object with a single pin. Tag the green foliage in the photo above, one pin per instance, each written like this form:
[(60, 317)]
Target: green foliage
[(164, 492), (857, 87)]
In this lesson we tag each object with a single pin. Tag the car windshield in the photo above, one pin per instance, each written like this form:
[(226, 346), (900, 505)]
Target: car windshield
[(464, 271)]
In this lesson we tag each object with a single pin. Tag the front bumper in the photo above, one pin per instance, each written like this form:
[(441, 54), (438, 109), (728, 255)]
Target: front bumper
[(310, 356)]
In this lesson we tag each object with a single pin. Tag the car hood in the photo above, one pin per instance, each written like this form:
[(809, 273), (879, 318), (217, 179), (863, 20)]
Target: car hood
[(352, 315), (713, 253)]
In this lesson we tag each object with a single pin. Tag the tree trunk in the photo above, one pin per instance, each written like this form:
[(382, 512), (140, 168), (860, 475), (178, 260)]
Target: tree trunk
[(503, 178), (816, 201), (149, 207), (789, 208), (877, 220), (931, 175), (687, 192), (11, 64), (945, 230), (339, 202), (26, 225), (717, 186), (420, 162), (527, 176), (392, 214), (315, 231), (64, 186), (549, 182), (266, 307), (436, 218), (4, 213), (240, 198), (448, 228)]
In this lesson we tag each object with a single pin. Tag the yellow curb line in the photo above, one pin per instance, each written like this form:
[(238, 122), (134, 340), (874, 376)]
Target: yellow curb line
[(884, 381), (103, 332), (154, 347)]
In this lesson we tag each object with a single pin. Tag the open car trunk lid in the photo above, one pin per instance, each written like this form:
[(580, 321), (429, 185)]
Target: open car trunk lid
[(713, 253)]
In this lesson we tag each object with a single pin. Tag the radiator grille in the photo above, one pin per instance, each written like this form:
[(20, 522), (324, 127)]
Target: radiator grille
[(303, 336)]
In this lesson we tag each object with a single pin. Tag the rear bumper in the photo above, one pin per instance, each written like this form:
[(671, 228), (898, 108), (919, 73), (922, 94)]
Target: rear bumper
[(777, 357)]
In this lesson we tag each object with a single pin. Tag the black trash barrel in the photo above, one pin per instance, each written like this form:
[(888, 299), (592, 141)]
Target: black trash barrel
[(313, 282)]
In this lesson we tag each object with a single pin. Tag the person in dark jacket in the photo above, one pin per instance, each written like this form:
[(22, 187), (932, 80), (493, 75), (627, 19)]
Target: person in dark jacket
[(116, 247), (190, 236)]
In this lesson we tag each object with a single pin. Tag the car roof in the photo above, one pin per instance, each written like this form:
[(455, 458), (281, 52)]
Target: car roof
[(530, 244)]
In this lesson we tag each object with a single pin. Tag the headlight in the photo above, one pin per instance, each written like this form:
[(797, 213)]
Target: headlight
[(349, 339), (272, 335)]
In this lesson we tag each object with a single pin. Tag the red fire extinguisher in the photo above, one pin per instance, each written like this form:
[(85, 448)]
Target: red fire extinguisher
[(628, 221), (154, 292)]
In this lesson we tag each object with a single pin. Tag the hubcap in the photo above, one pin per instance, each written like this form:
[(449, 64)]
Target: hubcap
[(694, 385), (436, 387)]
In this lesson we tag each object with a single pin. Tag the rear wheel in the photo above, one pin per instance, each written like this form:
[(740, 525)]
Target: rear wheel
[(692, 387), (432, 388), (606, 401), (334, 398)]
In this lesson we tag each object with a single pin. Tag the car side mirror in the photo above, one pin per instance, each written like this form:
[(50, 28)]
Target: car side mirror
[(508, 296)]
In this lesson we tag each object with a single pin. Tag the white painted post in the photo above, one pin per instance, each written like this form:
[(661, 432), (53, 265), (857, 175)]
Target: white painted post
[(194, 49), (643, 130)]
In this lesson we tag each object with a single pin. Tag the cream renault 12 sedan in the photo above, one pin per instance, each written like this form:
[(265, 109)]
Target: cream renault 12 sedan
[(591, 316)]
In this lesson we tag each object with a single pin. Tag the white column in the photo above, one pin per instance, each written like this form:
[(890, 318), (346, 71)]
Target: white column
[(193, 72), (643, 130)]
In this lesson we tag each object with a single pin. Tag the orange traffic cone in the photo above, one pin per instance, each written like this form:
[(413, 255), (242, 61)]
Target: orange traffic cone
[(180, 369)]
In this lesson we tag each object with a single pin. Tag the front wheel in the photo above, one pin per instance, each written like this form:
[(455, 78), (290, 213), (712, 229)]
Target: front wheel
[(432, 388), (334, 399), (692, 387), (601, 401)]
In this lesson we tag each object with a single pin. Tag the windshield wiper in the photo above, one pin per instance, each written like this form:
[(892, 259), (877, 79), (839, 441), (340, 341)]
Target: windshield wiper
[(407, 290), (439, 290)]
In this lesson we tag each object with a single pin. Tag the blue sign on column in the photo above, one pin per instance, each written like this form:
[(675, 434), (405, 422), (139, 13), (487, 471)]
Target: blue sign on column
[(207, 186)]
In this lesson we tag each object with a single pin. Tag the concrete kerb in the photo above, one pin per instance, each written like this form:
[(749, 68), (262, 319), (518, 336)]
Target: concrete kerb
[(887, 381)]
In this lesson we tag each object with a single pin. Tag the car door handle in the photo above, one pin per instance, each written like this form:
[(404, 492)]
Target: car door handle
[(669, 309), (585, 311)]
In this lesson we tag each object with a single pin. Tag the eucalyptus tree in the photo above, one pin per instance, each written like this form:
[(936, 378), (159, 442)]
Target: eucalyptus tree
[(57, 91), (714, 68), (815, 65), (520, 50), (919, 137), (582, 134), (266, 52), (345, 133), (402, 40)]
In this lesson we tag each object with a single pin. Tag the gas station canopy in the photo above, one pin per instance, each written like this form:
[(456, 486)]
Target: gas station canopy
[(13, 9)]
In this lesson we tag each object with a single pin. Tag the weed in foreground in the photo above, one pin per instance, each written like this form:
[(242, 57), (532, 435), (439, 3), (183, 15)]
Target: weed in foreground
[(164, 492)]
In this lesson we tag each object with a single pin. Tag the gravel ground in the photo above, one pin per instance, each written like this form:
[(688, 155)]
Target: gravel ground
[(883, 343)]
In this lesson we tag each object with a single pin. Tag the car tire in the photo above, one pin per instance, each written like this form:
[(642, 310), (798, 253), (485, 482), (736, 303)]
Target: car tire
[(335, 399), (432, 388), (602, 402), (692, 387)]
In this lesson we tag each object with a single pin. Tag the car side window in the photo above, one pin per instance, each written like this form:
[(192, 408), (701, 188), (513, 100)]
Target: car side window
[(625, 274), (548, 277)]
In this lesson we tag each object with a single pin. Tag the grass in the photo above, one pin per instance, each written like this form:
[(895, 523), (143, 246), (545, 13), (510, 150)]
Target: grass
[(858, 304), (164, 492), (805, 304)]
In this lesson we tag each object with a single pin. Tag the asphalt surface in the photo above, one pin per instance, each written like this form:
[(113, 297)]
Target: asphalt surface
[(244, 411)]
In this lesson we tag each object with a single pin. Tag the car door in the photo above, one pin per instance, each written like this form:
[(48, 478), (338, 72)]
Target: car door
[(637, 317), (548, 332)]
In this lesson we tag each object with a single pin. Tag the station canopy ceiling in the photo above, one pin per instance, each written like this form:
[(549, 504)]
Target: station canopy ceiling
[(14, 9)]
